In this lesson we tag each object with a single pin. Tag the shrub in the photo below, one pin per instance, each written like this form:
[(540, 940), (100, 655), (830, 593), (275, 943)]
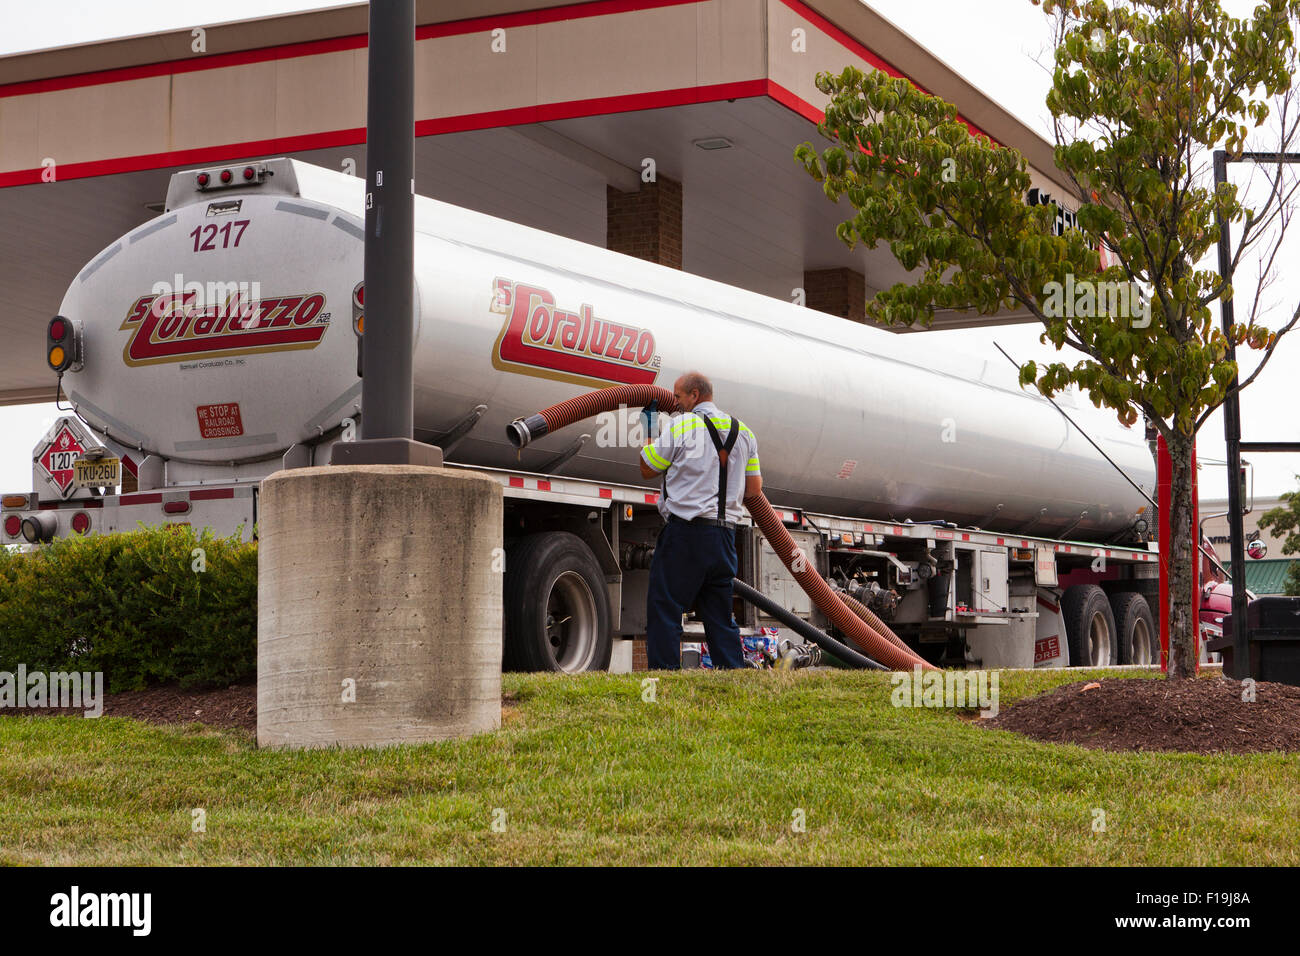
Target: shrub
[(135, 606)]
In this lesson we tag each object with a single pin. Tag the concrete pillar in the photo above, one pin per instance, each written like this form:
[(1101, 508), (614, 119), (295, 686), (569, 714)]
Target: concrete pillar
[(841, 292), (386, 576), (647, 223)]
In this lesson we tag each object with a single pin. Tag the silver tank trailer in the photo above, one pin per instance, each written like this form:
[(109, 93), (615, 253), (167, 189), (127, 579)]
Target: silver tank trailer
[(850, 419)]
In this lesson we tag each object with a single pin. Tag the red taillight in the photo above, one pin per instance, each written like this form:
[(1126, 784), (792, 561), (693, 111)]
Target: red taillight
[(249, 172), (204, 179), (58, 329), (176, 507), (81, 522), (361, 295), (227, 175), (13, 525)]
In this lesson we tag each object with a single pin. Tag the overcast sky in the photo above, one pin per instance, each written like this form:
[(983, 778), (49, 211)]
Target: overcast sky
[(997, 44)]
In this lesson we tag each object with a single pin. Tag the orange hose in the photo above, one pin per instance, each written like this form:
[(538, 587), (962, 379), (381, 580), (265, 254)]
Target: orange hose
[(858, 631), (606, 400), (888, 650), (875, 623)]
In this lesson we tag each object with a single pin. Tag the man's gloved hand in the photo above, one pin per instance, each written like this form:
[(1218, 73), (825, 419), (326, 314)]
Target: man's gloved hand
[(649, 419)]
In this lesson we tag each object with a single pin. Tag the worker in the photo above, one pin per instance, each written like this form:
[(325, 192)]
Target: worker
[(709, 464)]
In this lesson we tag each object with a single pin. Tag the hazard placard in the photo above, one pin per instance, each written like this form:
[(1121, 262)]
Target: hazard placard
[(58, 459)]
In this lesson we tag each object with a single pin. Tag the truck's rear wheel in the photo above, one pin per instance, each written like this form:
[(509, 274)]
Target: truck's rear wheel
[(1089, 626), (556, 606), (1136, 627)]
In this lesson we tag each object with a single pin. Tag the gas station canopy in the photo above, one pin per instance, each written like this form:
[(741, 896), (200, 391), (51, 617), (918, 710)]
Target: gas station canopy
[(524, 110)]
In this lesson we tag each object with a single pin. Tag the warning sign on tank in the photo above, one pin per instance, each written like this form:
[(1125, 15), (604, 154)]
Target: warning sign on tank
[(57, 457), (220, 421)]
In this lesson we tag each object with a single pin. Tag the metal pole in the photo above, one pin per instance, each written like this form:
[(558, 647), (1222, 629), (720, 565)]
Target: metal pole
[(387, 390), (1232, 438)]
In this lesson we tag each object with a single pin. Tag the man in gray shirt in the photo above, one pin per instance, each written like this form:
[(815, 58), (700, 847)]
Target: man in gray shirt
[(709, 463)]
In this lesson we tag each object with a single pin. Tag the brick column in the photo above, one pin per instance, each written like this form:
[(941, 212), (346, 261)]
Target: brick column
[(841, 292), (647, 223)]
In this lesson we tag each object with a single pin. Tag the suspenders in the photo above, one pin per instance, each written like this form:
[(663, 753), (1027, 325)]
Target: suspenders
[(724, 451)]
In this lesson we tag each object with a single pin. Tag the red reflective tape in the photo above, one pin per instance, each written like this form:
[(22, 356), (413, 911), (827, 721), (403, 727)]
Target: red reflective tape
[(594, 106), (651, 499), (196, 156), (1049, 605), (147, 499), (129, 465), (210, 494), (1000, 541), (853, 46), (570, 11), (516, 482), (306, 48), (491, 119), (607, 492), (216, 61), (543, 485), (965, 537)]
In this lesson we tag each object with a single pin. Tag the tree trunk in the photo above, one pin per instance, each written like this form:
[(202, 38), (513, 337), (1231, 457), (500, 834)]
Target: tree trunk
[(1182, 555)]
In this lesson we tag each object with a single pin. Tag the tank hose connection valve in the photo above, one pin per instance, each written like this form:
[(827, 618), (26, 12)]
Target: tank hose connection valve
[(523, 430)]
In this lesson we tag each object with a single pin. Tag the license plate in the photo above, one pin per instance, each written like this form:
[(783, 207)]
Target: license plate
[(97, 472)]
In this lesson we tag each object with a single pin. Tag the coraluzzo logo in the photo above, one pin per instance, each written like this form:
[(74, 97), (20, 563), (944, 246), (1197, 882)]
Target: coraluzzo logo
[(75, 909), (964, 689), (59, 689), (182, 320), (541, 338)]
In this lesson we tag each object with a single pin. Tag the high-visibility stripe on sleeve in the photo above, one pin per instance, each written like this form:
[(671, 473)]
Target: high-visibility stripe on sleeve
[(751, 466), (654, 459)]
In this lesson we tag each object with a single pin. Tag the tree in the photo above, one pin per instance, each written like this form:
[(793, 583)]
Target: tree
[(1285, 520), (1141, 93)]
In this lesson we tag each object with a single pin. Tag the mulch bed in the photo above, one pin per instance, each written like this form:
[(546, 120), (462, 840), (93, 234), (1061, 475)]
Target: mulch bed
[(1192, 716), (233, 707)]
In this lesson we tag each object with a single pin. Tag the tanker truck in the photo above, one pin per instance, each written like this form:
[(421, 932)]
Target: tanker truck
[(219, 342)]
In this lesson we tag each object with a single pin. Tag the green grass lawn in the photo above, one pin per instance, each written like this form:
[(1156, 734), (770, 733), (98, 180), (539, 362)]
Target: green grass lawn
[(585, 772)]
